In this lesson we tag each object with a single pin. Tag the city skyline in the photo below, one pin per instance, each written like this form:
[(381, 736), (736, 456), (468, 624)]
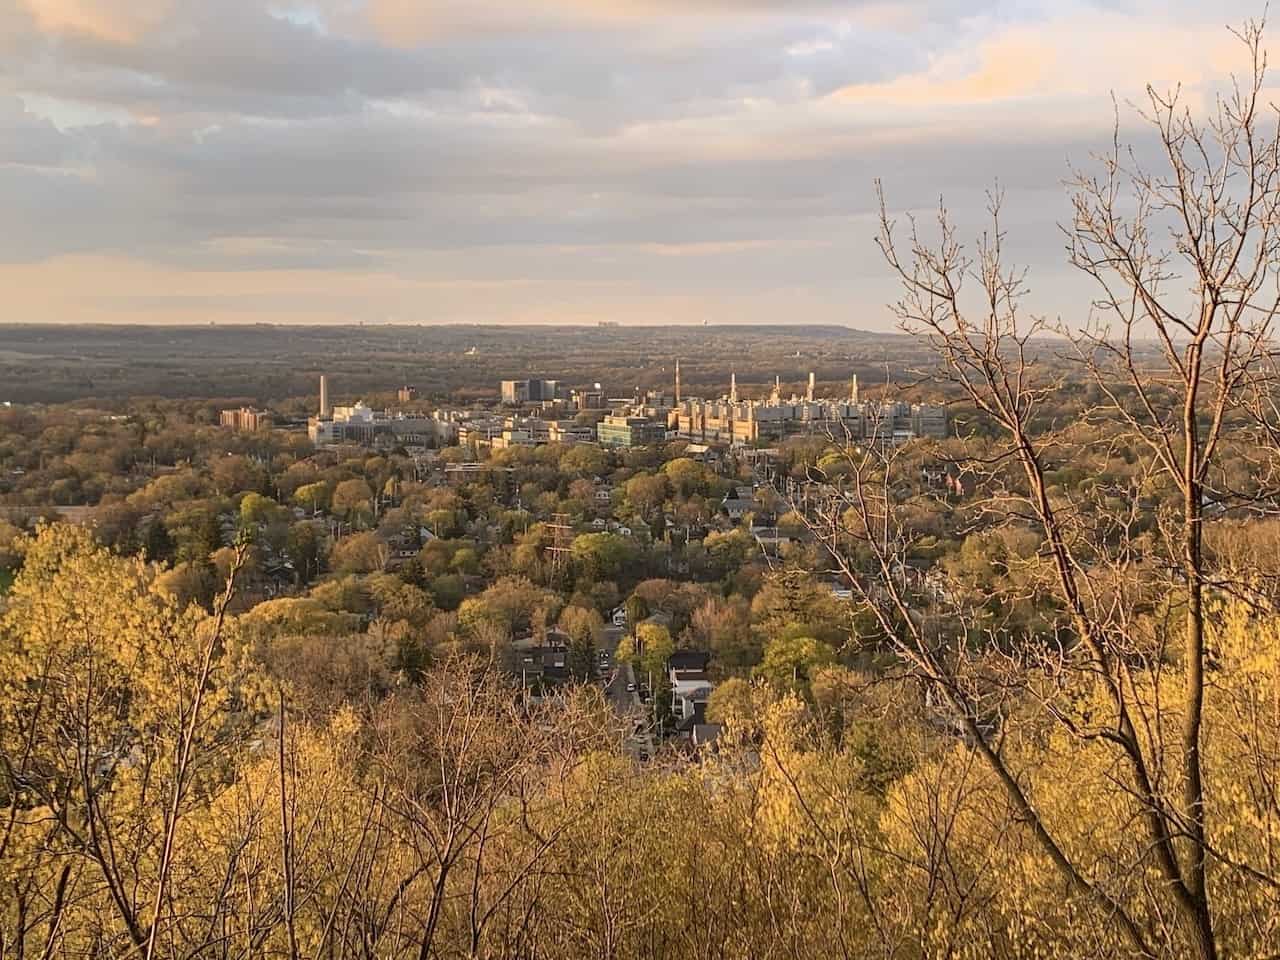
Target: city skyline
[(556, 161)]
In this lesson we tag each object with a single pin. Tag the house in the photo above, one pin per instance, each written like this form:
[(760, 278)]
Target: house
[(736, 504), (690, 688), (773, 538), (687, 661), (547, 663), (702, 453), (456, 474)]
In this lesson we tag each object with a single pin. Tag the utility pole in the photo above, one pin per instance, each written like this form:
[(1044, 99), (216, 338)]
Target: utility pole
[(654, 701)]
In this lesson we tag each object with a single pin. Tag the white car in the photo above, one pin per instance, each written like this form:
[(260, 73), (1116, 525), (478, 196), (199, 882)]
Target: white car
[(631, 688)]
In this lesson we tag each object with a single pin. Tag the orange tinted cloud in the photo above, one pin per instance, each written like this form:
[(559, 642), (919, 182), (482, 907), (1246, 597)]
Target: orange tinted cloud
[(118, 22), (1083, 56), (411, 21), (1008, 67), (404, 22)]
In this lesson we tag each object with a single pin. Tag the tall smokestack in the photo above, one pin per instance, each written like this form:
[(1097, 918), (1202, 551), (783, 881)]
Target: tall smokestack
[(677, 381), (325, 409), (853, 390), (733, 388), (809, 394)]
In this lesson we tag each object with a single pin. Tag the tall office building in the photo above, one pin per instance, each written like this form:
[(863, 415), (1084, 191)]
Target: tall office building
[(516, 392), (325, 409)]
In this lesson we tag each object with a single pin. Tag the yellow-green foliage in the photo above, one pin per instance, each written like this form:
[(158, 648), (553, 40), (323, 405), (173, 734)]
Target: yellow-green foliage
[(449, 819)]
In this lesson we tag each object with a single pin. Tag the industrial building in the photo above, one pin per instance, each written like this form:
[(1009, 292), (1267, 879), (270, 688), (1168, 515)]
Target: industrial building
[(732, 420)]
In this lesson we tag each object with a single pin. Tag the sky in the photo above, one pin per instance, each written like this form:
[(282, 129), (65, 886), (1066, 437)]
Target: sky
[(548, 161)]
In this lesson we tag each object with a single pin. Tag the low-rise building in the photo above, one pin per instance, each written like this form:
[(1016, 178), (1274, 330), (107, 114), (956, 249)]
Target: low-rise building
[(456, 474), (535, 432), (479, 432), (360, 424), (570, 431), (630, 431)]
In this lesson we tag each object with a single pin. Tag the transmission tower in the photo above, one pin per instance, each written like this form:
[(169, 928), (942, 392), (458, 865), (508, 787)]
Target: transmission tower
[(561, 535)]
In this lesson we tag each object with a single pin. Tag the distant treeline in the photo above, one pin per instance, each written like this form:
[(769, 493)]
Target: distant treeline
[(54, 364)]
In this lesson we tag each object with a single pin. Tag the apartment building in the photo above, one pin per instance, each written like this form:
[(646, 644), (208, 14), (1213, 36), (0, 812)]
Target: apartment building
[(245, 419)]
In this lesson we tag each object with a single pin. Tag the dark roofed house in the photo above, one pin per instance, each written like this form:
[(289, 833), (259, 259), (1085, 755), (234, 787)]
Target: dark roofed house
[(690, 688), (550, 663), (736, 504), (689, 660)]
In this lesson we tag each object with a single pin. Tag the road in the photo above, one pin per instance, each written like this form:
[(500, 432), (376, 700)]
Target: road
[(626, 703)]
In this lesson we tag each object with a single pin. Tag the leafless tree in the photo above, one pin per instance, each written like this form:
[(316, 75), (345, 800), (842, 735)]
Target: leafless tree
[(1179, 346)]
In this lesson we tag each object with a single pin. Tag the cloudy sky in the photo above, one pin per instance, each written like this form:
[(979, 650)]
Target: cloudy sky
[(544, 160)]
